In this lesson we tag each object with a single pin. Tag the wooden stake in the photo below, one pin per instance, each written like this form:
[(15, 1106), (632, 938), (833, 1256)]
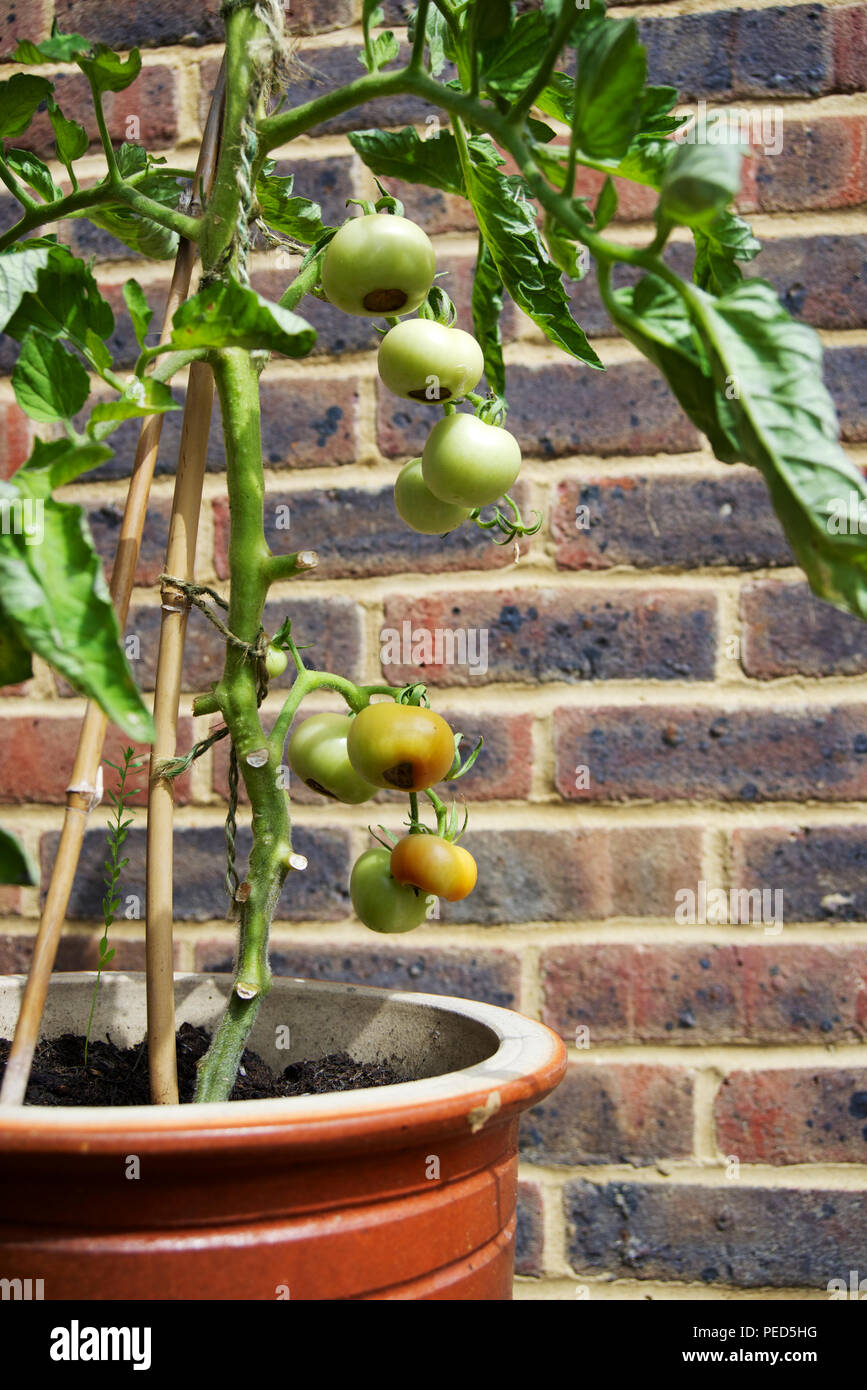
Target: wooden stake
[(84, 791)]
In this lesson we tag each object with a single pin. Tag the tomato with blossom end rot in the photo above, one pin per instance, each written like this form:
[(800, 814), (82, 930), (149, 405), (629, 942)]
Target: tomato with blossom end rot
[(435, 865), (378, 264), (425, 361), (317, 754), (400, 746)]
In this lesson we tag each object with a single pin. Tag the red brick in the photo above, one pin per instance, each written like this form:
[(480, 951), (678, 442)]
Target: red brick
[(752, 1237), (566, 408), (105, 523), (706, 994), (75, 952), (37, 752), (692, 754), (16, 439), (787, 632), (793, 1116), (153, 98), (490, 975), (672, 522), (850, 48), (548, 634), (823, 164), (612, 1114), (530, 1235), (823, 869), (24, 19), (142, 23)]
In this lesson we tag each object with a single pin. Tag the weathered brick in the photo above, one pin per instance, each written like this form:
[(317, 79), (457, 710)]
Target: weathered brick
[(304, 425), (706, 994), (612, 1114), (105, 523), (142, 23), (530, 1233), (24, 19), (669, 754), (823, 164), (37, 753), (793, 1116), (153, 99), (566, 409), (332, 625), (787, 631), (671, 522), (357, 533), (822, 869), (318, 16), (844, 376), (492, 976), (850, 48), (538, 875), (546, 634), (321, 892), (16, 438), (751, 1237), (75, 952), (786, 51)]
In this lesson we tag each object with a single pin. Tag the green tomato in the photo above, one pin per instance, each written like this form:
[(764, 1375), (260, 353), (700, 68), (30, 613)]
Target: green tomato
[(276, 661), (379, 901), (317, 754), (378, 264), (469, 463), (425, 361), (416, 505)]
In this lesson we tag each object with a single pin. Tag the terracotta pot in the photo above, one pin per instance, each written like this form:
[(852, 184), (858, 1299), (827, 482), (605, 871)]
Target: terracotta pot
[(397, 1192)]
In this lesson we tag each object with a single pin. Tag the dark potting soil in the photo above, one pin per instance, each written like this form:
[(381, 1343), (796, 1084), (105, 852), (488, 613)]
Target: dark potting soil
[(119, 1075)]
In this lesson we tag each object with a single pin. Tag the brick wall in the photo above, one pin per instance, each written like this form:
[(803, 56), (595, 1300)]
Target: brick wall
[(711, 1136)]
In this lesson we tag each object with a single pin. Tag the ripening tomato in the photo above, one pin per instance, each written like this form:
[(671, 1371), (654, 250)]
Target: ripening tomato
[(400, 746), (416, 505), (468, 462), (378, 264), (435, 866), (317, 754), (425, 361), (380, 902)]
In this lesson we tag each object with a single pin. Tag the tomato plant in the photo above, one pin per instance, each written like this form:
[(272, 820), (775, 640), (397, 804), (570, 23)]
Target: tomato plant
[(380, 902), (435, 865), (317, 754), (379, 263), (427, 361), (469, 463), (416, 505), (401, 746)]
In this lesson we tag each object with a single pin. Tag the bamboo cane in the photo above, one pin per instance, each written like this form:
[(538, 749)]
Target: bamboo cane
[(180, 564), (84, 791)]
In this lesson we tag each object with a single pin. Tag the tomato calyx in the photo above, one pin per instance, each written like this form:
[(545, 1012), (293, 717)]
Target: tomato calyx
[(511, 528)]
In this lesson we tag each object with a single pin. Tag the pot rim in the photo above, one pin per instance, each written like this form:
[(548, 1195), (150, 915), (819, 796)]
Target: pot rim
[(528, 1063)]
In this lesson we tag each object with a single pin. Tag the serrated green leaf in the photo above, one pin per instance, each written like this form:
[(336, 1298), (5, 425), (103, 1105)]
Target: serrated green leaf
[(107, 71), (487, 306), (15, 661), (60, 48), (298, 218), (33, 172), (405, 155), (20, 98), (608, 100), (508, 224), (141, 234), (71, 140), (56, 595), (512, 59), (16, 863), (719, 248), (49, 383), (384, 48), (65, 302), (138, 309), (56, 462), (19, 274), (230, 315), (606, 205)]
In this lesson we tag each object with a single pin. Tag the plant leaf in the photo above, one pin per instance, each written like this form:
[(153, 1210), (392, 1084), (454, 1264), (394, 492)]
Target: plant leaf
[(16, 863), (20, 98), (54, 463), (138, 309), (15, 662), (487, 305), (512, 58), (107, 71), (56, 595), (49, 383), (60, 48), (508, 224), (34, 172), (140, 397), (230, 315), (299, 218), (610, 92), (19, 274), (71, 140)]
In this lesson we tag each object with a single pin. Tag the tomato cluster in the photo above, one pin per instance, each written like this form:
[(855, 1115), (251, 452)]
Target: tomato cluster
[(383, 264)]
